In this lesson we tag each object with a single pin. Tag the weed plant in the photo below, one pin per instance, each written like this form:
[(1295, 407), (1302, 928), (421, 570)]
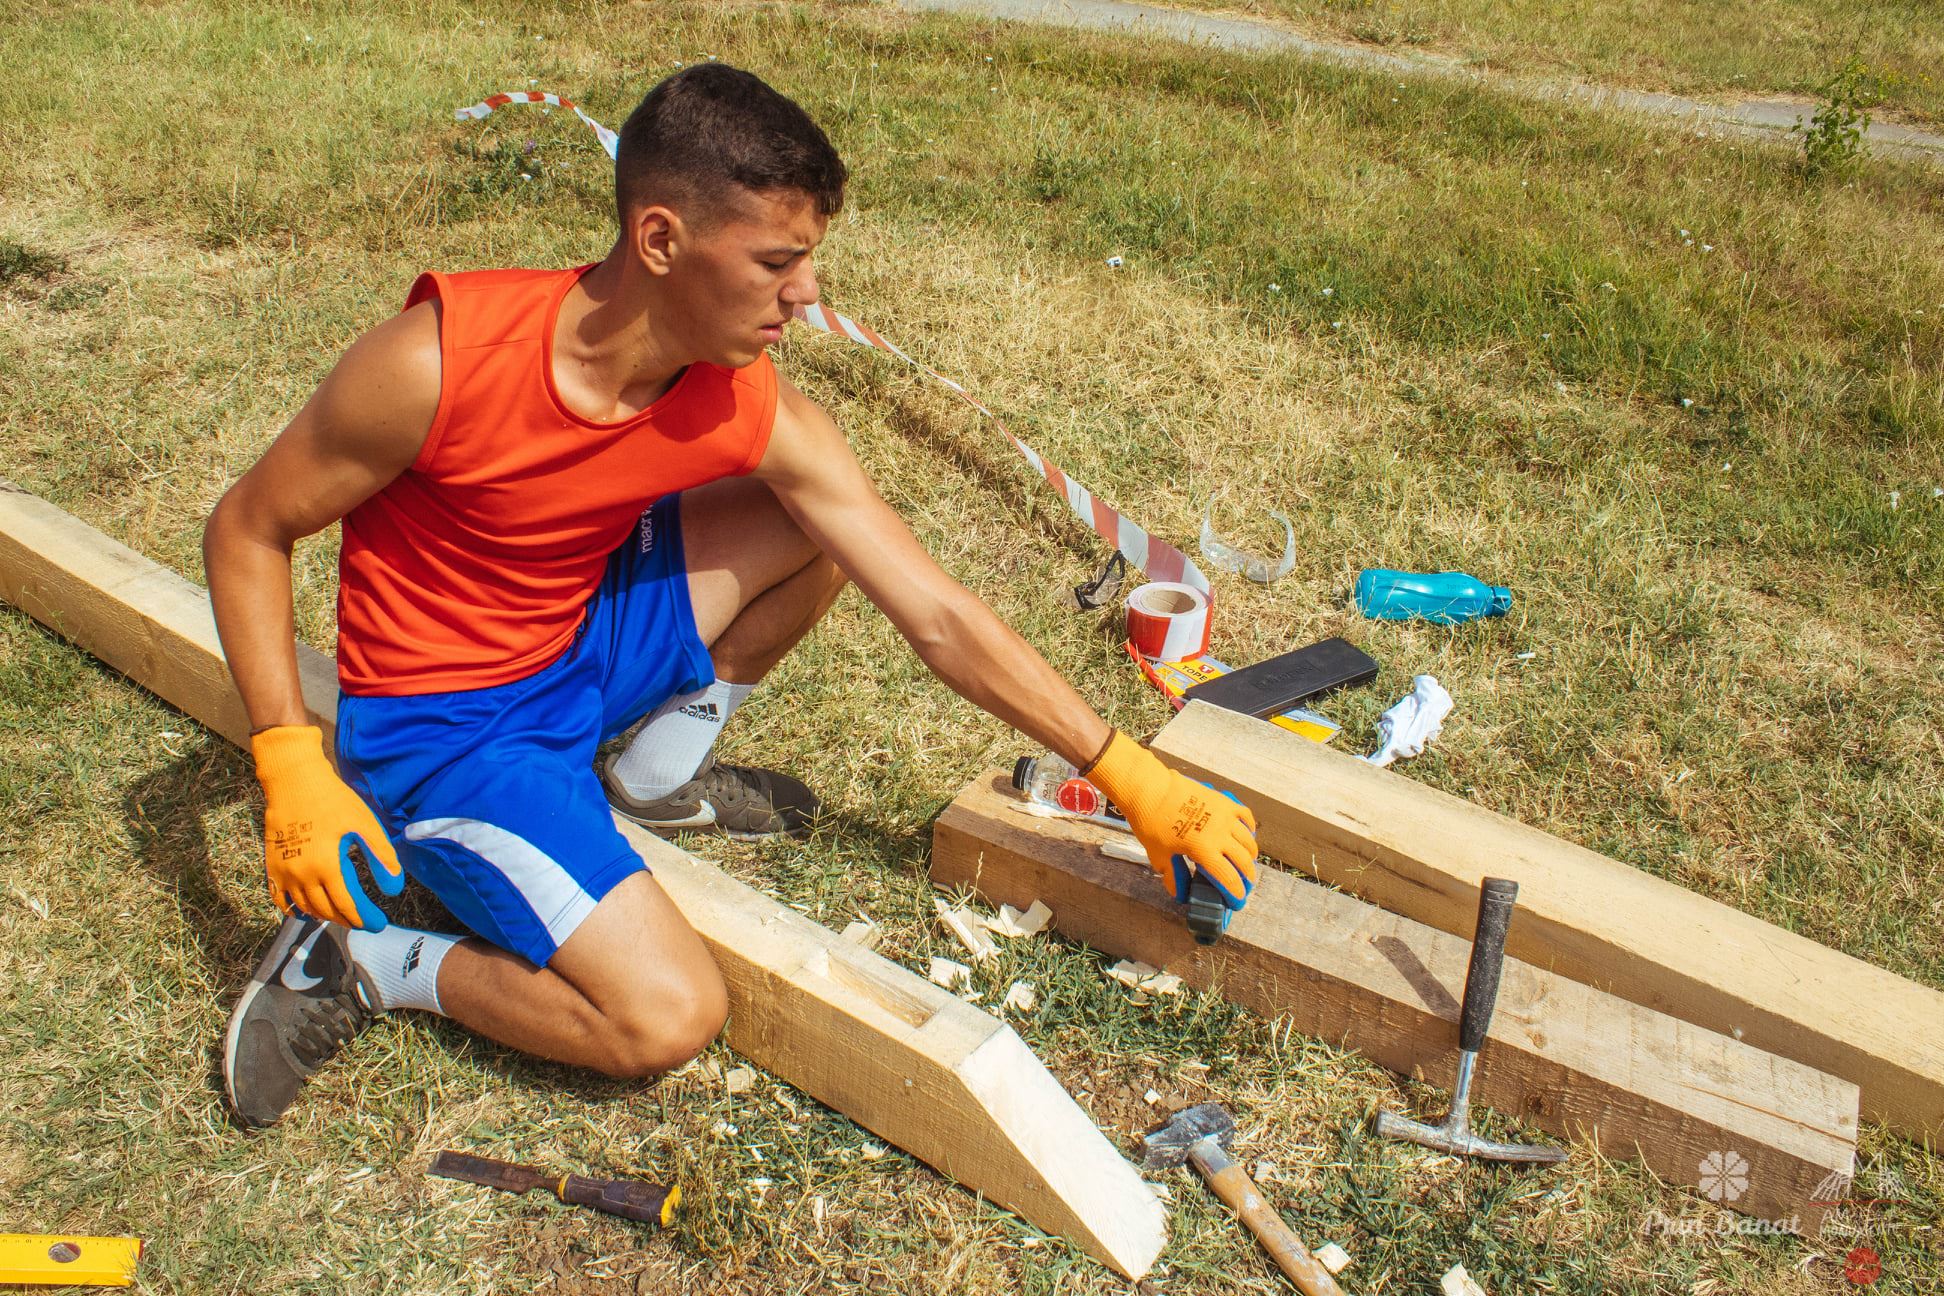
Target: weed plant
[(1833, 140)]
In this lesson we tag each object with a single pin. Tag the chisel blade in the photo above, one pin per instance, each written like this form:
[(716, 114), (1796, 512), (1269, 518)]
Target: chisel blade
[(503, 1175)]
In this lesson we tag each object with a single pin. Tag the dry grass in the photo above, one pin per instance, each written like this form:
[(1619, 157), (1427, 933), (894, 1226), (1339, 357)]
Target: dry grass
[(1770, 48), (1733, 680)]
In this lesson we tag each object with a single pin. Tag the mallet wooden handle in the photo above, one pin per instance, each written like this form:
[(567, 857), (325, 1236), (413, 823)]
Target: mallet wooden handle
[(1233, 1185)]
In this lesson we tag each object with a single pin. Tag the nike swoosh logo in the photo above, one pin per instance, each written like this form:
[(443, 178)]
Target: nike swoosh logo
[(704, 817), (293, 974)]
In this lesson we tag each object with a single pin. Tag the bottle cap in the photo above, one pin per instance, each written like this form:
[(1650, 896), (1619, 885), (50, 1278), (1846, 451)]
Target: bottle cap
[(1023, 772), (1501, 600)]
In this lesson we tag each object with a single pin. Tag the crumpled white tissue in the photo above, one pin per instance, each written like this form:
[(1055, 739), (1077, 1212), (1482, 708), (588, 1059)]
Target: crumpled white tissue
[(1403, 730)]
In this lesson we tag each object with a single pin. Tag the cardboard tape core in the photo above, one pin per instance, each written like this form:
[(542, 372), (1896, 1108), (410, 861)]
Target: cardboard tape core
[(1168, 621)]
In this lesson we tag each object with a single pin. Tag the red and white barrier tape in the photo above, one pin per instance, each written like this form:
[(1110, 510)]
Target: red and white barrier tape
[(1159, 559), (609, 140)]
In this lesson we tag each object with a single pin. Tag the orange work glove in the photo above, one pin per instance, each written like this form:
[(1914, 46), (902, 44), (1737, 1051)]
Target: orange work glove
[(1172, 815), (314, 831)]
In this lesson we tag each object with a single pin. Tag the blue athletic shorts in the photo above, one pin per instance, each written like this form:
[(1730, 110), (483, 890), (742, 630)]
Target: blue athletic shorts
[(490, 795)]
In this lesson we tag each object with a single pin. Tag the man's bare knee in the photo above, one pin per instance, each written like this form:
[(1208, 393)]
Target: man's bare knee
[(659, 1033)]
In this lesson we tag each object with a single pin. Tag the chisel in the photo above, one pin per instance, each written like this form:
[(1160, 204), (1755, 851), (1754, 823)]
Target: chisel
[(634, 1199)]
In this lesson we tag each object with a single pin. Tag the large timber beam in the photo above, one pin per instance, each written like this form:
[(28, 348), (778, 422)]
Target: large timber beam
[(1563, 1056), (948, 1083), (1421, 853)]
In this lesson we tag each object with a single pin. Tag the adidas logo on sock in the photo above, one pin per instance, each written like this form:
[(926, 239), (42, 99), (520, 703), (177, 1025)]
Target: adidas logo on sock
[(703, 711), (412, 956)]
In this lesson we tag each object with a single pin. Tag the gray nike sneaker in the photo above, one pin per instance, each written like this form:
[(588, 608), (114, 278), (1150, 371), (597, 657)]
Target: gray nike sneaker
[(736, 800), (305, 1001)]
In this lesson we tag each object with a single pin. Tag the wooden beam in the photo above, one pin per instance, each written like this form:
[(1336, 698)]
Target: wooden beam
[(133, 614), (1563, 1056), (1421, 853), (948, 1083)]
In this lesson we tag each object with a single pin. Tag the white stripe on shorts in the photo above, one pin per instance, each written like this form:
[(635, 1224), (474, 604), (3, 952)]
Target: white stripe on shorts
[(542, 883)]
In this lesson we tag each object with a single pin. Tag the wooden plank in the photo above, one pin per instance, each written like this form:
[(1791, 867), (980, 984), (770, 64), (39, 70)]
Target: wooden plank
[(952, 1085), (948, 1083), (1421, 853), (1563, 1056)]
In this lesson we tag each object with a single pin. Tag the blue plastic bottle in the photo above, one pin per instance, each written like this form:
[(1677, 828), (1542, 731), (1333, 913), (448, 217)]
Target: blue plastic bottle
[(1444, 597)]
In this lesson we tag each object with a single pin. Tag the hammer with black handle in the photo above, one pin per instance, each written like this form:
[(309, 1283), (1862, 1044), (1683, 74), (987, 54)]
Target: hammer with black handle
[(1496, 896)]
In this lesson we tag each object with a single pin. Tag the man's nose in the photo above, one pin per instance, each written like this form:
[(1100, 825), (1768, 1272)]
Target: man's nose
[(801, 288)]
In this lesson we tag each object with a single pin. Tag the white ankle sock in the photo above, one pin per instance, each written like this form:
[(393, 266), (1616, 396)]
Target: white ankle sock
[(677, 739), (404, 964)]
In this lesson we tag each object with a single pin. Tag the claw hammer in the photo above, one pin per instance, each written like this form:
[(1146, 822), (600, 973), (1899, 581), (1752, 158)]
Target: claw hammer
[(1200, 1135)]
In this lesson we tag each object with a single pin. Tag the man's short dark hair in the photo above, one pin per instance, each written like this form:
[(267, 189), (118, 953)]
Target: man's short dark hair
[(710, 130)]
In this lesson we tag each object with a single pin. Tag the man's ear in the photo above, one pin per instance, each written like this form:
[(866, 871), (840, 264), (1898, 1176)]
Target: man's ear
[(653, 232)]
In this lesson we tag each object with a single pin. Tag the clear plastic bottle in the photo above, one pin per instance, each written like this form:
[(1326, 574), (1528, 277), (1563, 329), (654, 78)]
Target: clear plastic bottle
[(1050, 781), (1444, 597)]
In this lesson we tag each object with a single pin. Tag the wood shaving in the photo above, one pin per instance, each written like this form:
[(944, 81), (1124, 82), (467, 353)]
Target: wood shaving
[(965, 927), (1011, 923), (1142, 976), (864, 932)]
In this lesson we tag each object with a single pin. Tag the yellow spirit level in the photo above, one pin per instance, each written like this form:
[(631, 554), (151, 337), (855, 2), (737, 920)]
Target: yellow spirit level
[(64, 1259)]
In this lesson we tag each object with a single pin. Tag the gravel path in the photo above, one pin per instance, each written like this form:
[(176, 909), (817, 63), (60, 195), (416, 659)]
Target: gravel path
[(1759, 118)]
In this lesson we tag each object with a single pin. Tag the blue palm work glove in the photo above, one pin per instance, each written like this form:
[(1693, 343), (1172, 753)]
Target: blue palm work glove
[(1184, 874), (316, 831)]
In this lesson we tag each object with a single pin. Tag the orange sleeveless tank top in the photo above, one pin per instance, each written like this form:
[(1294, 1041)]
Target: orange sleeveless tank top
[(474, 567)]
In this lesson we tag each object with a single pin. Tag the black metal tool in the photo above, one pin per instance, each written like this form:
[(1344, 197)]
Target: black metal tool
[(1208, 915), (1279, 683), (1495, 900), (635, 1199)]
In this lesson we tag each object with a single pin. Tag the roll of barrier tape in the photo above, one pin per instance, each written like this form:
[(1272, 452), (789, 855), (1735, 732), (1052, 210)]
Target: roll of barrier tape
[(1168, 620)]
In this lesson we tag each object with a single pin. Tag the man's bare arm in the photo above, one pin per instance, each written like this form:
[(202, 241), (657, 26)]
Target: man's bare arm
[(813, 472), (362, 427), (811, 468)]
